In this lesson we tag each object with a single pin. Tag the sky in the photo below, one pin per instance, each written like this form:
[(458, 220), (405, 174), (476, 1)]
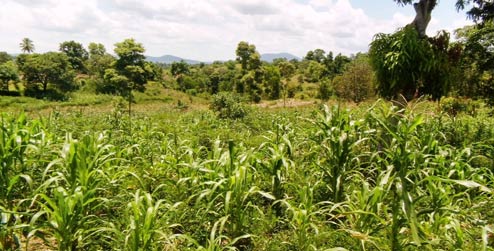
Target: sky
[(209, 30)]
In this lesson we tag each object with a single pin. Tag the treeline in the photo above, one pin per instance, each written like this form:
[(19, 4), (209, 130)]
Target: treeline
[(395, 65), (53, 75)]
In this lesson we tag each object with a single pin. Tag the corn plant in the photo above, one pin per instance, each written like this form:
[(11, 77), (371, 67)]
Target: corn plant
[(279, 150), (144, 229), (217, 241), (70, 199), (305, 215), (336, 141), (15, 136)]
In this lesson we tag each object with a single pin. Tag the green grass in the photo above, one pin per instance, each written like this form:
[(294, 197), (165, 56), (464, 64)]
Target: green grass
[(367, 177)]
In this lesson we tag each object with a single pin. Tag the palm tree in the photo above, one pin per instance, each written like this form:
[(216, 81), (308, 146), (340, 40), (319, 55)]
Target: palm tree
[(27, 45)]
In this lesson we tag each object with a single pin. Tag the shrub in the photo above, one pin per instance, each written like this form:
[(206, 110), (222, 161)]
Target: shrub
[(325, 90), (453, 106), (228, 106)]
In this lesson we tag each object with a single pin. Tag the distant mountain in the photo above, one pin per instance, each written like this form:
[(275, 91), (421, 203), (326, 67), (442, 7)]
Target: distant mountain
[(269, 57), (168, 59)]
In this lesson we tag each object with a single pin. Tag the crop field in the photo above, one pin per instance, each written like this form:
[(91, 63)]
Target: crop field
[(316, 178)]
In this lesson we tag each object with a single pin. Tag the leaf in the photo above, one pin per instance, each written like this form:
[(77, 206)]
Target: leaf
[(472, 184), (266, 195), (336, 249)]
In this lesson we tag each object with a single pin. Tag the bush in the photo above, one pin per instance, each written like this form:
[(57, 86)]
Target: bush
[(228, 106), (325, 90), (453, 106)]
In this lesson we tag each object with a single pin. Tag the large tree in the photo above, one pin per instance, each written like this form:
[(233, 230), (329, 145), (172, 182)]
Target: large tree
[(27, 45), (8, 72), (245, 53), (99, 60), (423, 10), (130, 71), (477, 62), (410, 63), (481, 10), (252, 73), (44, 69), (4, 57), (76, 53)]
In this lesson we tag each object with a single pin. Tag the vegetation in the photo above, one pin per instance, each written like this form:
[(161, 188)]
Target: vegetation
[(372, 178), (251, 155)]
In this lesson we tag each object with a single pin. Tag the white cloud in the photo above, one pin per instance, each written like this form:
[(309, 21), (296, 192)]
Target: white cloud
[(197, 29)]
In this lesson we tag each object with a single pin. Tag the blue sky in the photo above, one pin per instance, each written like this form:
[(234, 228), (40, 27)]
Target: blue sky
[(210, 29)]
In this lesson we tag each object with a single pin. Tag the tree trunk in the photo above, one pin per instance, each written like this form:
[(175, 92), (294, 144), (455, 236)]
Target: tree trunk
[(423, 10)]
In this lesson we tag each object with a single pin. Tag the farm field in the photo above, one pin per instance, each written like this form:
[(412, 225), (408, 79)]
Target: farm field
[(310, 177)]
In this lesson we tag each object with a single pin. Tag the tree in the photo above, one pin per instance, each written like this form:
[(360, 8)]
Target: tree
[(325, 90), (4, 57), (477, 61), (27, 45), (179, 68), (287, 70), (245, 52), (409, 65), (97, 63), (96, 49), (48, 68), (76, 53), (481, 12), (423, 10), (356, 82), (318, 55), (8, 72), (314, 72), (252, 73), (130, 71), (272, 79)]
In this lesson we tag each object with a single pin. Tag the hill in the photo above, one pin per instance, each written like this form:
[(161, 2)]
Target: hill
[(168, 59), (269, 57)]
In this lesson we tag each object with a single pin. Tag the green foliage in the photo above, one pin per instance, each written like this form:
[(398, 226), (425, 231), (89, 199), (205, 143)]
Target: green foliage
[(247, 56), (8, 72), (228, 106), (179, 68), (477, 74), (409, 65), (314, 72), (272, 82), (252, 73), (42, 70), (75, 53), (4, 57), (453, 106), (482, 11), (325, 89), (366, 179), (357, 81), (27, 45), (131, 64)]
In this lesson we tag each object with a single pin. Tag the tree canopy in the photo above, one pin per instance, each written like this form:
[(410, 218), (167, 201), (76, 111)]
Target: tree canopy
[(8, 72), (76, 54), (481, 12), (48, 68), (27, 45)]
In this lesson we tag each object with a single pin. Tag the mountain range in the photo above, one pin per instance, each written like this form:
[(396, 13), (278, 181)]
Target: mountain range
[(168, 59)]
